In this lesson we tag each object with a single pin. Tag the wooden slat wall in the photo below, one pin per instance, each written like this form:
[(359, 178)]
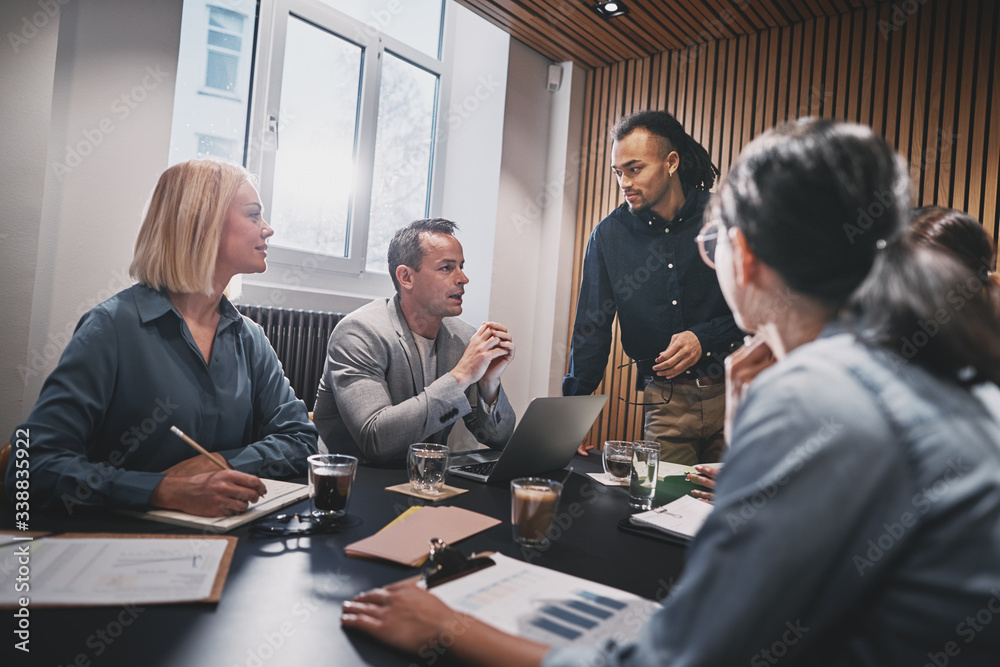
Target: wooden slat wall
[(928, 81)]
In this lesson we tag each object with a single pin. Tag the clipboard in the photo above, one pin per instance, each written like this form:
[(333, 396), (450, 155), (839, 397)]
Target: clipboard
[(446, 563), (221, 573), (405, 539)]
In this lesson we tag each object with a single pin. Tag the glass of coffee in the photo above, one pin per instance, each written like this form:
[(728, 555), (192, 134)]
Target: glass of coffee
[(618, 459), (645, 465), (533, 501), (427, 464), (331, 477)]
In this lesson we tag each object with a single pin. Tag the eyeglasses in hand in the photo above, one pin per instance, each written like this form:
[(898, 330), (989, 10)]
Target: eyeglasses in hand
[(665, 394)]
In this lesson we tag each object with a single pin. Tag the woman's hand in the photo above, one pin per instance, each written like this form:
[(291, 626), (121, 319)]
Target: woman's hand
[(219, 493), (742, 366), (705, 477), (402, 615), (409, 618), (198, 464)]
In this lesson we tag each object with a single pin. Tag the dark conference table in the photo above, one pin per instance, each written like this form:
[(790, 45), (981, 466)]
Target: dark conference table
[(281, 601)]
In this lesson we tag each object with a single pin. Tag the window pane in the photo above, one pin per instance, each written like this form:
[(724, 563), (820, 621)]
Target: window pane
[(225, 41), (402, 153), (219, 147), (225, 19), (314, 163), (202, 71), (221, 71), (416, 23)]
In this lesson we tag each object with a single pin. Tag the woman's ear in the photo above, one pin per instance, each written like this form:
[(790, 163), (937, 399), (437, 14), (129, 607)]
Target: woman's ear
[(745, 263)]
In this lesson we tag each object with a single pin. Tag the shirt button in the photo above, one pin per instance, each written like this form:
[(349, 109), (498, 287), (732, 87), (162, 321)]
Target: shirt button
[(708, 354), (674, 302), (666, 231), (670, 266)]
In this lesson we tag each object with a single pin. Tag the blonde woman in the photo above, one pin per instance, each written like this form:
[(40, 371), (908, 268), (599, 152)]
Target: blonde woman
[(172, 351)]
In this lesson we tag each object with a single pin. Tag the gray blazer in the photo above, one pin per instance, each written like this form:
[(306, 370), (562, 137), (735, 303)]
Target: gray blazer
[(372, 403)]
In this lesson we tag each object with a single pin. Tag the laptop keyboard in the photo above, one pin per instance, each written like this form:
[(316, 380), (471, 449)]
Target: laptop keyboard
[(478, 468)]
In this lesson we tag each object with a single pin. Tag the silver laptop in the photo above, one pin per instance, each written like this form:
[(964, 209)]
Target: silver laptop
[(545, 439)]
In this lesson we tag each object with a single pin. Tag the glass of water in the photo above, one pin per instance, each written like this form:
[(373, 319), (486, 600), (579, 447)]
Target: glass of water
[(645, 464), (427, 464)]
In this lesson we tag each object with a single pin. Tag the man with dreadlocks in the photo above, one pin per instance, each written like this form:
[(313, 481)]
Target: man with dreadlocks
[(642, 263)]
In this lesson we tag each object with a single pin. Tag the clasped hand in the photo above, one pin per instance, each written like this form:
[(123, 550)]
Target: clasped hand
[(485, 359)]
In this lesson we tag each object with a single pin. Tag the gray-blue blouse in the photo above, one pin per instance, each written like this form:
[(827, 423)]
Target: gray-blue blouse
[(99, 434)]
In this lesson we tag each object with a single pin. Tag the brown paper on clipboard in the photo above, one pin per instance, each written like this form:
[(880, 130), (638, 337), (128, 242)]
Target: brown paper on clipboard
[(217, 585), (405, 541)]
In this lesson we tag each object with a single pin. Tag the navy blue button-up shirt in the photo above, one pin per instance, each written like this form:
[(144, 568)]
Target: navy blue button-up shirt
[(100, 431), (648, 271)]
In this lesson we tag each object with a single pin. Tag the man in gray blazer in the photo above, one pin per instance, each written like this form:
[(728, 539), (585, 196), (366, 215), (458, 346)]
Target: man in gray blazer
[(404, 369)]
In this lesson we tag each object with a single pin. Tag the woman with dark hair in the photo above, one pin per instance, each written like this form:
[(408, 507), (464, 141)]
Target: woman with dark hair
[(961, 236), (857, 518)]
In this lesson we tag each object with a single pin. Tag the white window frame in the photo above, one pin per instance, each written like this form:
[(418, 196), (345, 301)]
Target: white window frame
[(317, 272)]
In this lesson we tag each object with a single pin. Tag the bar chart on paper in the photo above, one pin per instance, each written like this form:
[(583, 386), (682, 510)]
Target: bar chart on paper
[(545, 605)]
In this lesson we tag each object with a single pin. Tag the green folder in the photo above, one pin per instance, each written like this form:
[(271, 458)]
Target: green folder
[(673, 483)]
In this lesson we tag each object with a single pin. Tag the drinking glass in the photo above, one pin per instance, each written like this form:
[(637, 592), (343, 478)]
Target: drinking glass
[(331, 477), (427, 464), (617, 456), (645, 464), (533, 501)]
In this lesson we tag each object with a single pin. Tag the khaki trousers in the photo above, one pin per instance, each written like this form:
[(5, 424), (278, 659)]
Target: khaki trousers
[(689, 427)]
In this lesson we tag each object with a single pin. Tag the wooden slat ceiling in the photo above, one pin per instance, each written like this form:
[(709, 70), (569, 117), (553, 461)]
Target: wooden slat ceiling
[(570, 29)]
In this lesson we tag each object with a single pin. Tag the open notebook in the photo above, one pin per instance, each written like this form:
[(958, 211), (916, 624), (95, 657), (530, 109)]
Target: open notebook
[(680, 519), (279, 494)]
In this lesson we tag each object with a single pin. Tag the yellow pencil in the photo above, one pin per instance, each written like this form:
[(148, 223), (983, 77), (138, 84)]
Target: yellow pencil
[(201, 450)]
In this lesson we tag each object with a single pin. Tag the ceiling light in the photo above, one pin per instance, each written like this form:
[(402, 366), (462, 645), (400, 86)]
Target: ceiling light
[(610, 8)]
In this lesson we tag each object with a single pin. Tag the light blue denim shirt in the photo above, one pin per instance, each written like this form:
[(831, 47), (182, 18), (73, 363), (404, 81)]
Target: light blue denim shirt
[(856, 522), (99, 434)]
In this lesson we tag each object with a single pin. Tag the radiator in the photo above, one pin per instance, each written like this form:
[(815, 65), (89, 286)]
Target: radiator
[(299, 337)]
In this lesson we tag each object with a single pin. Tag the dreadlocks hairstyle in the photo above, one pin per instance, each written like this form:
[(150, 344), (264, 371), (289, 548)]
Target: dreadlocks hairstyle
[(696, 169)]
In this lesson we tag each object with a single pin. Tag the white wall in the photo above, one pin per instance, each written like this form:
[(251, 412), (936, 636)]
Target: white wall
[(108, 142), (474, 143), (536, 219), (27, 65)]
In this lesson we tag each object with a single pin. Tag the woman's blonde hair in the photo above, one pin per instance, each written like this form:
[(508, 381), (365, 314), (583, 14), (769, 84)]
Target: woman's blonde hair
[(179, 238)]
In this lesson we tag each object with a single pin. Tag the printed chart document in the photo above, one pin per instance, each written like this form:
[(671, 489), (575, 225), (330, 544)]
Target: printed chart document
[(546, 605), (95, 570), (681, 518), (279, 495)]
